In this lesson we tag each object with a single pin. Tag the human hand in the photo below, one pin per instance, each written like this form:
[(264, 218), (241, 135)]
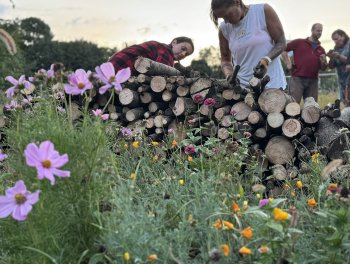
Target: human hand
[(323, 58), (347, 68), (333, 54), (261, 68)]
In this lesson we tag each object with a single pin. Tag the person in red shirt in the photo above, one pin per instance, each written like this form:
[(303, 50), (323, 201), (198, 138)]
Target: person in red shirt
[(309, 58), (178, 49)]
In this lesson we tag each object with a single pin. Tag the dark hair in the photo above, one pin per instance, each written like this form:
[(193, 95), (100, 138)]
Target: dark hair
[(341, 33), (316, 24), (215, 4), (184, 39)]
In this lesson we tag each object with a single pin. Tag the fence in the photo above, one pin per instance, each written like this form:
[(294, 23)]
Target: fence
[(327, 82)]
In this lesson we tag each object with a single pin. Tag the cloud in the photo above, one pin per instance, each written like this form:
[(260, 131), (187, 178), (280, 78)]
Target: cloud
[(144, 30), (4, 8)]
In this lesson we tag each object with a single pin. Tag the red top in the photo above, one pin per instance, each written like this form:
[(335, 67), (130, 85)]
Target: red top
[(306, 57), (153, 50)]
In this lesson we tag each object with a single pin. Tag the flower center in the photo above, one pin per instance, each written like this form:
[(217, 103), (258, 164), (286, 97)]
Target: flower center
[(46, 164), (112, 79), (20, 198), (81, 85)]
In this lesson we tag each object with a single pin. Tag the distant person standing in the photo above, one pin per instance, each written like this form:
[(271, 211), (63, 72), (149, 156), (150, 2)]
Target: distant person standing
[(339, 57), (309, 58)]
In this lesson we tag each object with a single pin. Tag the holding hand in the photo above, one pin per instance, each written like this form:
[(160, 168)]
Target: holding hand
[(261, 69)]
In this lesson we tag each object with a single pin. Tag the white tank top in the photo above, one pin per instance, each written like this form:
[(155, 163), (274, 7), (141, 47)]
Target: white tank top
[(249, 41)]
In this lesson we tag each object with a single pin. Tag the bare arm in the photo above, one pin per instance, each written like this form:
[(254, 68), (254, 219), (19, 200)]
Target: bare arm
[(226, 58), (287, 60), (275, 29)]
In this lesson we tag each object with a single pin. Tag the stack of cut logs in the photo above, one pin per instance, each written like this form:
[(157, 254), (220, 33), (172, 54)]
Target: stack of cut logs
[(165, 99)]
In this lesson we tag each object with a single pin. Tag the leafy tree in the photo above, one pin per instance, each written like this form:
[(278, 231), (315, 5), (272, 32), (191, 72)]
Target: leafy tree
[(35, 30)]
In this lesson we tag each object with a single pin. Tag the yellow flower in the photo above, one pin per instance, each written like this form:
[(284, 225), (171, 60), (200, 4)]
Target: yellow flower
[(245, 251), (258, 195), (264, 249), (181, 182), (136, 144), (152, 258), (222, 224), (245, 205), (270, 199), (314, 157), (235, 207), (126, 145), (126, 256), (155, 143), (225, 249), (173, 143), (132, 176), (155, 157), (292, 194), (189, 158), (312, 202), (279, 215), (247, 232), (299, 184)]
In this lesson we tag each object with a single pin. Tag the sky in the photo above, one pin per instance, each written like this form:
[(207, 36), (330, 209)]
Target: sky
[(116, 23)]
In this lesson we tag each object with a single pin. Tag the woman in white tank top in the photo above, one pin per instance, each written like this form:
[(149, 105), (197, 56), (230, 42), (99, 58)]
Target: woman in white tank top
[(250, 35)]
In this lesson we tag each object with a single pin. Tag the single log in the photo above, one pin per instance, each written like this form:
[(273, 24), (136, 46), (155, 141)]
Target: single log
[(182, 105), (111, 108), (273, 100), (279, 172), (102, 99), (279, 150), (223, 133), (129, 97), (333, 113), (162, 120), (142, 78), (291, 127), (156, 106), (230, 94), (144, 65), (168, 96), (240, 111), (293, 109), (227, 121), (311, 112), (134, 114), (345, 116), (255, 118), (114, 116), (275, 120), (338, 146), (146, 97), (149, 122), (182, 80), (242, 127), (147, 114), (182, 91), (219, 100), (205, 110), (170, 86), (196, 120), (158, 84), (171, 79), (143, 88), (201, 86), (326, 131), (260, 134), (250, 100), (222, 111)]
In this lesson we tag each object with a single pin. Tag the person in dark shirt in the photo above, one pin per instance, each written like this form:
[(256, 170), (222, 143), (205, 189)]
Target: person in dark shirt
[(309, 58), (178, 49)]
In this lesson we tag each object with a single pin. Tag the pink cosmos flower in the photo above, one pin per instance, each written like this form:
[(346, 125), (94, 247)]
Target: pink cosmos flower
[(106, 74), (78, 82), (17, 85), (99, 113), (209, 102), (247, 134), (12, 106), (198, 98), (126, 132), (190, 150), (46, 160), (2, 156), (263, 202), (18, 202)]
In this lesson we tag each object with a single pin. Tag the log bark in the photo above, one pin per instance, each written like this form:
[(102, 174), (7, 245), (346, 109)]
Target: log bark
[(183, 105), (223, 133), (256, 118), (273, 100), (240, 111), (162, 120), (311, 112), (142, 78), (134, 114), (291, 127), (129, 97), (201, 86), (144, 65), (182, 91), (221, 112), (279, 150)]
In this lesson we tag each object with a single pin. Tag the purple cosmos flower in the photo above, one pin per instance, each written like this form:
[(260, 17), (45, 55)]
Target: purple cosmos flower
[(18, 202), (106, 74), (51, 72), (190, 150), (12, 106), (126, 132), (247, 134), (46, 160), (27, 101), (2, 156), (170, 130), (198, 98), (209, 102), (98, 113), (17, 85), (78, 82), (263, 202)]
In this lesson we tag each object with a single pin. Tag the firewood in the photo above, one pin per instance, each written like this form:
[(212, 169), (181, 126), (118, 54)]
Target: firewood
[(149, 122), (196, 120), (168, 96), (162, 120), (221, 112), (143, 88), (230, 94), (240, 111), (249, 99), (273, 100), (242, 127), (146, 97), (255, 118), (275, 120), (129, 97), (144, 65), (171, 79), (134, 114), (155, 106), (111, 108), (205, 110), (209, 129), (158, 84), (279, 150), (182, 91), (227, 121), (183, 81), (223, 133), (291, 127), (311, 112), (114, 116), (333, 113), (260, 133), (326, 131), (102, 99), (219, 100), (182, 105), (147, 114), (170, 87), (331, 167), (142, 78), (279, 172), (293, 109), (338, 146), (201, 86)]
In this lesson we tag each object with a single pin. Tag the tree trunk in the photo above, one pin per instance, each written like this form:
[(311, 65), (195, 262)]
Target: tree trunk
[(145, 65), (311, 111), (134, 114), (279, 150)]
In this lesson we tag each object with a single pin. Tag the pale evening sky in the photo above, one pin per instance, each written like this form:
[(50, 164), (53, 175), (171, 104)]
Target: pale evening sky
[(113, 23)]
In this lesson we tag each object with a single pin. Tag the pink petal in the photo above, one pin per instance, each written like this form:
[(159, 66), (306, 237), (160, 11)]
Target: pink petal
[(25, 208), (11, 80), (60, 173), (118, 87), (99, 75), (105, 116), (33, 198), (32, 155), (59, 161), (17, 214), (104, 88), (123, 75), (107, 69), (10, 92), (18, 188), (46, 149), (21, 79), (6, 206)]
